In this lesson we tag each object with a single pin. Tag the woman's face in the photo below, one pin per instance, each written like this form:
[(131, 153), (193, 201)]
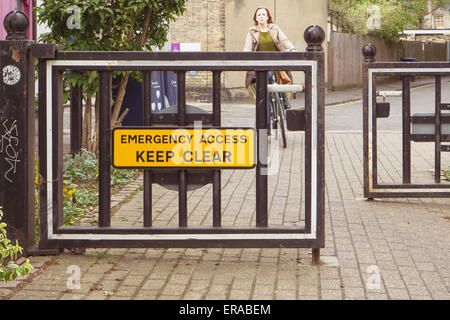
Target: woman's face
[(261, 16)]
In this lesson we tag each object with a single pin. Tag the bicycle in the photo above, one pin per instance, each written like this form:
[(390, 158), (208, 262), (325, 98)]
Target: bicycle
[(279, 104)]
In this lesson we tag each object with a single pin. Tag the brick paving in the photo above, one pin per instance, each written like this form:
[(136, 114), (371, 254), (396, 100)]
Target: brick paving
[(382, 249)]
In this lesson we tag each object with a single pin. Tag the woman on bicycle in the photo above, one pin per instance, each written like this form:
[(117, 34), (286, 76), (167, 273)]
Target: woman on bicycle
[(265, 35)]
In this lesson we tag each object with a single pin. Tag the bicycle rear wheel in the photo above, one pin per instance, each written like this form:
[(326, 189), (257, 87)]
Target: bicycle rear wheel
[(281, 119)]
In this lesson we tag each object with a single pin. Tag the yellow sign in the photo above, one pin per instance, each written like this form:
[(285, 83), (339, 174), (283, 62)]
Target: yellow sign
[(190, 148)]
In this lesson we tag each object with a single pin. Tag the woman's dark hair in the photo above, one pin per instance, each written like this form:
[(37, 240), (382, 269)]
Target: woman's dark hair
[(269, 16)]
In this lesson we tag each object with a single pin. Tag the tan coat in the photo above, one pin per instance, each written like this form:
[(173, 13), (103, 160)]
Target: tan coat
[(281, 41), (279, 38)]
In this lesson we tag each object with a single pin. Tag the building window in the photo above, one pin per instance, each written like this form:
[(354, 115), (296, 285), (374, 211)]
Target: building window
[(437, 21)]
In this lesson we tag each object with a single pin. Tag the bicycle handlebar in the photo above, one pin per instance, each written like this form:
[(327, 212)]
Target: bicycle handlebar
[(285, 88), (389, 93)]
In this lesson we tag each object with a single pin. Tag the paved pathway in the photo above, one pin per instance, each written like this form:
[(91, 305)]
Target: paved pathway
[(383, 249)]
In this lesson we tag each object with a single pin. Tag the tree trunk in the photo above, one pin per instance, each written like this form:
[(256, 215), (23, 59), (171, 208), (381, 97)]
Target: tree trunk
[(97, 123), (118, 102), (87, 121)]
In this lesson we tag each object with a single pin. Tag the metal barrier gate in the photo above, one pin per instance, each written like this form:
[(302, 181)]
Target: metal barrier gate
[(54, 62), (428, 127)]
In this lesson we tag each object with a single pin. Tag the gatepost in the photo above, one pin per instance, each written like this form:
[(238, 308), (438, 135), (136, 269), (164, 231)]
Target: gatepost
[(17, 130)]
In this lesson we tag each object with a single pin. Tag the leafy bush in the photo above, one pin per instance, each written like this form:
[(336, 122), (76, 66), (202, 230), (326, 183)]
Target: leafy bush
[(80, 190), (395, 16), (81, 184), (8, 254), (447, 174), (83, 168)]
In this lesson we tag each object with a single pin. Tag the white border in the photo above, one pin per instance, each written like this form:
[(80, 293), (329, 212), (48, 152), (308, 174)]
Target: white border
[(184, 63), (371, 71)]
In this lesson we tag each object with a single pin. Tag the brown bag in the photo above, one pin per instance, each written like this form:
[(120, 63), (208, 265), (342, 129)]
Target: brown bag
[(282, 77)]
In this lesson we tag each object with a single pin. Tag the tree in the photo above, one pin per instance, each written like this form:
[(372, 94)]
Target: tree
[(395, 15), (106, 25)]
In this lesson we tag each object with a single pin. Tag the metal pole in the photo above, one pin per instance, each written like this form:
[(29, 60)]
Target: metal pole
[(261, 165), (104, 179)]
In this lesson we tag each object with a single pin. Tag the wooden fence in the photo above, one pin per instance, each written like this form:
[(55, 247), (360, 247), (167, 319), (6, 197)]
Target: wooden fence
[(345, 57)]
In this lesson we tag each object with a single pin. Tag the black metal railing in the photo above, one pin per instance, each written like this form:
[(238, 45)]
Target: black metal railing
[(53, 62), (372, 110)]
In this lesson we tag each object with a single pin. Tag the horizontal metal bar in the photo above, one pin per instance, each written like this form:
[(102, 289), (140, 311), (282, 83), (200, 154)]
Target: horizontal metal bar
[(409, 65), (285, 88), (241, 243), (388, 194), (429, 118), (428, 137), (171, 66), (445, 106), (187, 230), (411, 73), (410, 186), (445, 148), (133, 55)]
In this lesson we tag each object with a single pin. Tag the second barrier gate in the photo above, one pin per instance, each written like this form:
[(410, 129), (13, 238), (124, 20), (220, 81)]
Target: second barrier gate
[(432, 126)]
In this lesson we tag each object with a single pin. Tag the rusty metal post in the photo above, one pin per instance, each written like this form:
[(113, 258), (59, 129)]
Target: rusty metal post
[(147, 114), (17, 115), (104, 179), (76, 119), (369, 51), (261, 164), (217, 181), (406, 129), (437, 129), (406, 123), (314, 36)]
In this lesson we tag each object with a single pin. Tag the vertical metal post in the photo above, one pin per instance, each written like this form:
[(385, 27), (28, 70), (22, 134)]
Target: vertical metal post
[(105, 149), (374, 141), (406, 131), (43, 154), (437, 130), (17, 130), (147, 79), (261, 164), (76, 102), (182, 188), (217, 183), (314, 37), (307, 153), (369, 51), (182, 199), (57, 151)]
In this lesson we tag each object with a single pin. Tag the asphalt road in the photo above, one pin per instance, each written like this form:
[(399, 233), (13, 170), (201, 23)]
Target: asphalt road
[(348, 117)]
